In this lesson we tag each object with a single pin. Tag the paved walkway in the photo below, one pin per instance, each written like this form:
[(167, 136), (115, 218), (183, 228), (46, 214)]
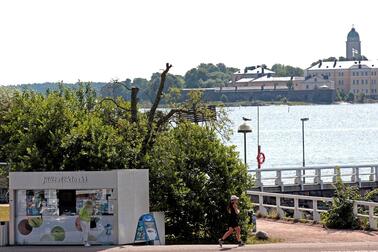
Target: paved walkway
[(276, 247), (296, 237), (298, 232)]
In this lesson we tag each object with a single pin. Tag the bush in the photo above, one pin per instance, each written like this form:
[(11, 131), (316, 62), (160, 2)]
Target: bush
[(341, 215), (193, 176)]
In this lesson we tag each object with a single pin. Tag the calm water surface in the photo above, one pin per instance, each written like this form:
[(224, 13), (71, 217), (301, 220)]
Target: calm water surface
[(334, 135)]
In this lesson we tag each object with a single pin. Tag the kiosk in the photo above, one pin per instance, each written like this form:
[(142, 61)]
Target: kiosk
[(45, 206)]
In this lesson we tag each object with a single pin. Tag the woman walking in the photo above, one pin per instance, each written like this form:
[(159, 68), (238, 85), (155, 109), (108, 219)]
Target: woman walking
[(85, 215), (233, 223)]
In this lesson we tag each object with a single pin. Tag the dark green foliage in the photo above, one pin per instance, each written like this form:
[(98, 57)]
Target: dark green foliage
[(192, 177), (209, 75), (63, 131), (286, 70), (340, 95), (53, 86), (350, 97), (340, 215), (192, 173)]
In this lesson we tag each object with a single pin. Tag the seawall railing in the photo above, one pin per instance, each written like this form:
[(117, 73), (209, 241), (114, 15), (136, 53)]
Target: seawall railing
[(320, 176), (317, 205)]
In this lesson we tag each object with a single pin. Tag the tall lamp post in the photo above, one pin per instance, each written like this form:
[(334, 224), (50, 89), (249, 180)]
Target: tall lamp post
[(303, 144), (245, 128)]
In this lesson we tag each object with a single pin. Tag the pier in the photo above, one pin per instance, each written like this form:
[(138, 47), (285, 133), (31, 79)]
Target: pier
[(314, 180)]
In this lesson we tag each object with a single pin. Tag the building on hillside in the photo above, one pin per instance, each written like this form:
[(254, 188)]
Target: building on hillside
[(353, 45), (315, 82), (348, 76), (271, 82), (251, 73)]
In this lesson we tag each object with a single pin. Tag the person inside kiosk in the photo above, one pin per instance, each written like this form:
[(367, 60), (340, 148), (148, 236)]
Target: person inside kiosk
[(51, 216)]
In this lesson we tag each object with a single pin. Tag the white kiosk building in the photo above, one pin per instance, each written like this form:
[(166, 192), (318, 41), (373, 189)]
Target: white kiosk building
[(45, 206)]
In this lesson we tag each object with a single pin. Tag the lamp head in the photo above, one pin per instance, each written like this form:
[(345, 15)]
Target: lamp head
[(244, 128)]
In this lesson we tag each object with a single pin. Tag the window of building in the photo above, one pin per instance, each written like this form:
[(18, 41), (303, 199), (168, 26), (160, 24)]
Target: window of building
[(353, 73), (306, 86), (357, 73), (353, 82), (366, 73), (357, 82)]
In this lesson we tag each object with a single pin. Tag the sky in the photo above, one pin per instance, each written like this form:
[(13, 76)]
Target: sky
[(68, 40)]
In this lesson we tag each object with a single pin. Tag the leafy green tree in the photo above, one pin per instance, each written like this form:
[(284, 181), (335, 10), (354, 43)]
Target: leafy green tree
[(172, 81), (350, 97), (286, 70), (340, 95), (209, 75), (192, 173), (192, 177), (64, 130)]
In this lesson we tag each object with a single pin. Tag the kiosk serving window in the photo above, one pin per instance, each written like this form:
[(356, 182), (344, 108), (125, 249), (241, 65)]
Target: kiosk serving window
[(63, 202)]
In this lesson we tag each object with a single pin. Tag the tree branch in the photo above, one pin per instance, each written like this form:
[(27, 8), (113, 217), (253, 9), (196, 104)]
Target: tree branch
[(159, 93), (116, 103), (151, 115)]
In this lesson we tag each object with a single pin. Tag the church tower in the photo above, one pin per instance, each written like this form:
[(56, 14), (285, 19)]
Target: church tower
[(353, 45)]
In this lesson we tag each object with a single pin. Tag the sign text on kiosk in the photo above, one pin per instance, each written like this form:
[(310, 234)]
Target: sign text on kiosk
[(64, 180)]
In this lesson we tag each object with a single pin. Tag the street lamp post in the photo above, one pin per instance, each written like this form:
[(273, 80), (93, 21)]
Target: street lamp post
[(245, 128), (303, 144), (303, 147)]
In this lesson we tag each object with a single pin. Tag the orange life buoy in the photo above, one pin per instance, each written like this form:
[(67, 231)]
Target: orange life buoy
[(261, 158)]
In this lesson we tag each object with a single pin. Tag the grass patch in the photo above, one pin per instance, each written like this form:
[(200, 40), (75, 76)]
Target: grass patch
[(253, 240)]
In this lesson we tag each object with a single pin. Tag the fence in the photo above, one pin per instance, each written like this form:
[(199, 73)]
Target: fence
[(314, 209), (315, 175)]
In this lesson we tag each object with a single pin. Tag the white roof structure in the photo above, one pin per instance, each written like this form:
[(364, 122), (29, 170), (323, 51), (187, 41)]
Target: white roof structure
[(330, 65), (244, 80), (257, 70), (270, 79)]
